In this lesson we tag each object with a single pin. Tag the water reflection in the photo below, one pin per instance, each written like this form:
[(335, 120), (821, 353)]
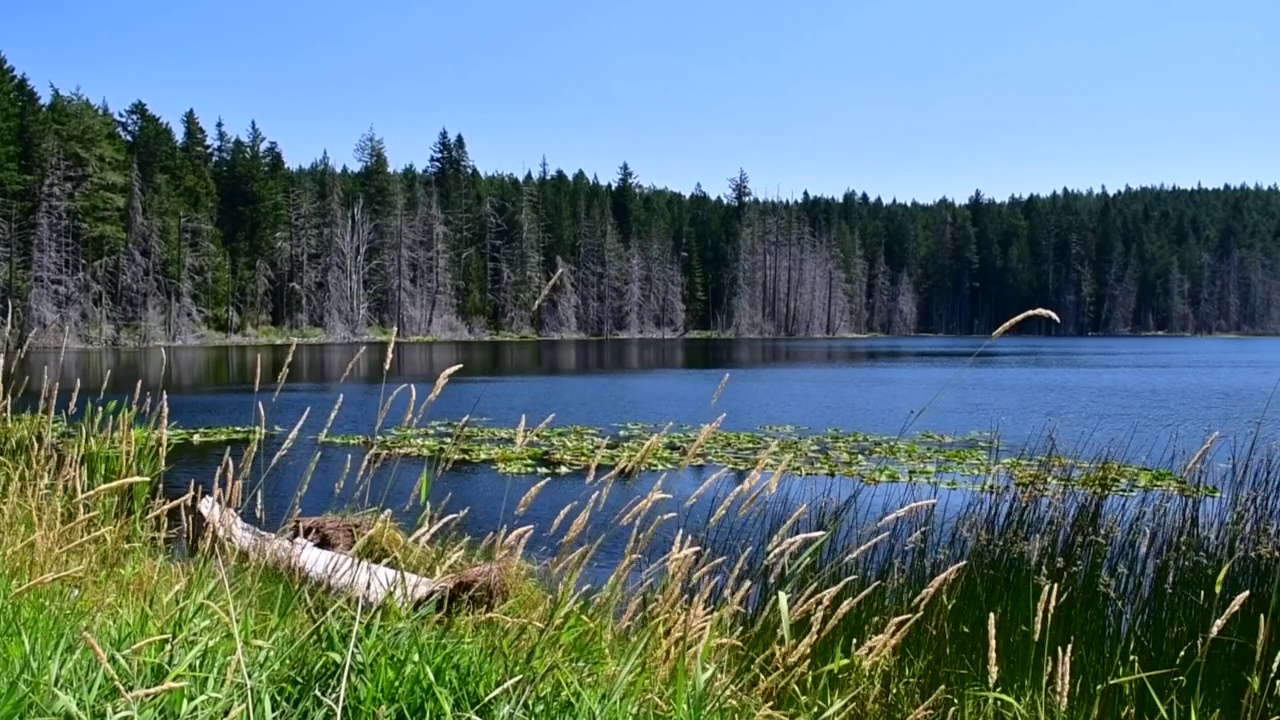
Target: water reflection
[(194, 369)]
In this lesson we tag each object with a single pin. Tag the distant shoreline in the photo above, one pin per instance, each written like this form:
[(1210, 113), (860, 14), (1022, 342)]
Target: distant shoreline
[(382, 338)]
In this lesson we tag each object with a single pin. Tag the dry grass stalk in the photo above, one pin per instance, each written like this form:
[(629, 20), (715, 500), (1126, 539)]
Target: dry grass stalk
[(441, 381), (46, 579), (858, 551), (527, 499), (786, 548), (848, 605), (925, 710), (1232, 609), (1016, 319), (720, 389), (770, 487), (620, 573), (1053, 605), (333, 413), (1041, 607), (84, 540), (654, 496), (426, 533), (102, 660), (161, 510), (788, 524), (140, 646), (160, 689), (75, 396), (725, 505), (391, 351), (711, 479), (1262, 638), (1062, 679), (410, 406), (706, 569), (738, 567), (564, 565), (350, 365), (647, 537), (580, 522), (818, 599), (75, 524), (513, 545), (164, 425), (386, 406), (541, 426), (905, 511), (703, 436), (546, 289), (993, 660), (106, 382), (520, 432), (284, 370), (342, 476), (632, 611), (108, 487), (1200, 455), (564, 512), (882, 645), (937, 584), (288, 441), (635, 463)]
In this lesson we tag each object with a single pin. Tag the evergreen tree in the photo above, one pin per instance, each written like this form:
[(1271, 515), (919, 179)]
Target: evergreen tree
[(116, 229)]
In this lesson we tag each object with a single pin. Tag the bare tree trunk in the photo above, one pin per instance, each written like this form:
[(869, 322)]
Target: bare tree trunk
[(904, 306), (590, 275), (141, 277), (340, 572), (56, 301), (348, 312), (882, 297), (560, 308), (750, 293)]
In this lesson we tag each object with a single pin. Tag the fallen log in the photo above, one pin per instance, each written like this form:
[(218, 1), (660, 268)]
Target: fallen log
[(344, 573)]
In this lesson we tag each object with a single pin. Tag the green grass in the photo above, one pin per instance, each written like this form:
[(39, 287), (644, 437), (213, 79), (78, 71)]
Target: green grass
[(755, 610)]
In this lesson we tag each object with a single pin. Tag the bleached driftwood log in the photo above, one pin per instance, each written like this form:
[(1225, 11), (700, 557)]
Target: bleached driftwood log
[(340, 572)]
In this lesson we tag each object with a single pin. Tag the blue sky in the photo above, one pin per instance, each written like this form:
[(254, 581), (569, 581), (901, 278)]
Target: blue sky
[(904, 99)]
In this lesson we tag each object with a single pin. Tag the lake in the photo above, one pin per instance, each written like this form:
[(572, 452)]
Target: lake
[(1143, 398)]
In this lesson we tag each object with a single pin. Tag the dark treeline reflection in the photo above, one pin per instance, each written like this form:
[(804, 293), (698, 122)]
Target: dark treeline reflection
[(194, 369)]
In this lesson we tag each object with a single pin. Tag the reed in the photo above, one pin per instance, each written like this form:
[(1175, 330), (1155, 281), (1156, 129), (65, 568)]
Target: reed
[(729, 600)]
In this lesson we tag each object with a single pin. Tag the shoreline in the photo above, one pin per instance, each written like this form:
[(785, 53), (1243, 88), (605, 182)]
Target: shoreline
[(284, 341)]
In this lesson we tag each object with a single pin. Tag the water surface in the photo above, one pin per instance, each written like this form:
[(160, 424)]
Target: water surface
[(1139, 397)]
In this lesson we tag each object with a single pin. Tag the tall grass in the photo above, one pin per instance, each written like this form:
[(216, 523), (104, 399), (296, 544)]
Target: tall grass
[(1045, 602)]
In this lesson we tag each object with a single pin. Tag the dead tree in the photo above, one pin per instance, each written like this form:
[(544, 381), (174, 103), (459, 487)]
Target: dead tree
[(142, 296), (192, 264), (559, 307), (57, 301), (347, 316), (590, 275), (749, 291), (442, 306), (903, 318)]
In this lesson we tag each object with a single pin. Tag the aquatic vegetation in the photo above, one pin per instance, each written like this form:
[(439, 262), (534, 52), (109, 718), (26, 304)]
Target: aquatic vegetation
[(1015, 608), (970, 460), (1051, 603), (59, 427), (213, 434)]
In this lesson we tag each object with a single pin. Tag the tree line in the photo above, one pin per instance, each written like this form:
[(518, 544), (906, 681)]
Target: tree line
[(117, 228)]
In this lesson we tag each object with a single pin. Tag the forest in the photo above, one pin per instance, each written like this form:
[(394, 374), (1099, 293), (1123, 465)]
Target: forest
[(116, 228)]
